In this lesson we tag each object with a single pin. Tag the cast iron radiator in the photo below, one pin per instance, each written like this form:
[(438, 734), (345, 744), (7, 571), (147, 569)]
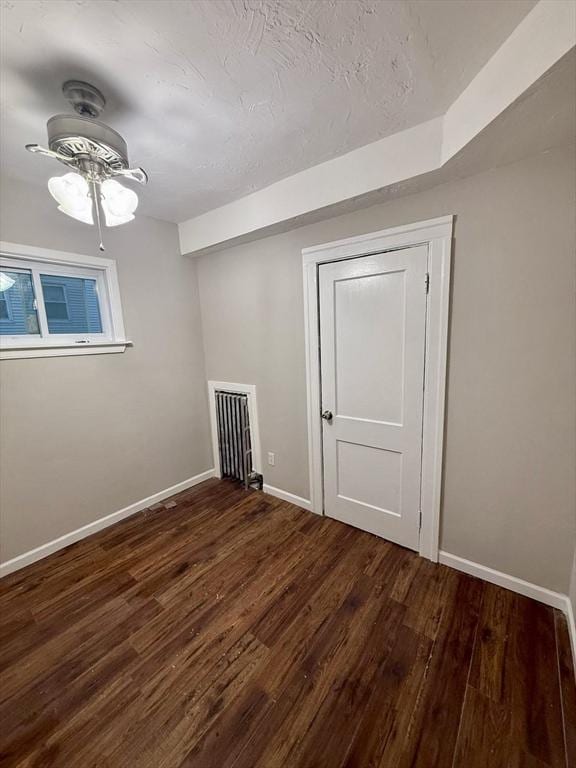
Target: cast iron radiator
[(234, 444)]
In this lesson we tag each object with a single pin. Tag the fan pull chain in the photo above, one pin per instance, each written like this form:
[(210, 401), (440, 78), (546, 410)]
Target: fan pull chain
[(96, 196)]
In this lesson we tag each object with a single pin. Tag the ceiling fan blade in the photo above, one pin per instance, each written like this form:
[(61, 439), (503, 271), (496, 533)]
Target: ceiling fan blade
[(135, 174), (37, 149)]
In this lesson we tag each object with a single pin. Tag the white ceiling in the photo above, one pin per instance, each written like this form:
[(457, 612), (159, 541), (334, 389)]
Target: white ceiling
[(218, 98), (544, 118)]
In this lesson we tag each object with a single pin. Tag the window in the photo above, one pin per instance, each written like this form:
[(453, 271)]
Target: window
[(72, 304), (55, 303), (55, 300)]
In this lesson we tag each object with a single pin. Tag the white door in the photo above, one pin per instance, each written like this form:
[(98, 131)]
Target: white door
[(372, 338)]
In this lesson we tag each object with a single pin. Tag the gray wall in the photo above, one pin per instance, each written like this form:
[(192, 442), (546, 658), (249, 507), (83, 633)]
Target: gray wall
[(82, 437), (509, 494)]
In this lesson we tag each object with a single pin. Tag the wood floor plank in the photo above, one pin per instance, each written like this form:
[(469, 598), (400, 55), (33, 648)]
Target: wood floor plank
[(233, 629), (222, 744), (186, 706), (62, 650), (81, 740), (335, 721), (295, 644), (535, 689), (276, 618), (429, 594), (567, 686), (488, 670), (485, 734), (209, 628), (385, 723), (434, 731)]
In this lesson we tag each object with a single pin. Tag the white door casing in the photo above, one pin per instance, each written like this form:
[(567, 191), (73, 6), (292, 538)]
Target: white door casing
[(436, 236), (372, 339)]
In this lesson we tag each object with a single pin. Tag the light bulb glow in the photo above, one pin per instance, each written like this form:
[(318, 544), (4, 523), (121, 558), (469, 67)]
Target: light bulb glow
[(118, 203), (72, 194)]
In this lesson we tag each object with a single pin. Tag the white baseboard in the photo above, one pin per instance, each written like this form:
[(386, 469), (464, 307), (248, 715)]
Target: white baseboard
[(526, 588), (291, 497), (86, 530)]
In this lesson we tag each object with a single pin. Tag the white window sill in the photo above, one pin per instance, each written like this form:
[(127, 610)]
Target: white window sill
[(63, 350)]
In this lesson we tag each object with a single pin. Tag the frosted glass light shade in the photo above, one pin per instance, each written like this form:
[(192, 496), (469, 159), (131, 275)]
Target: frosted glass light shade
[(118, 203), (6, 282), (72, 194)]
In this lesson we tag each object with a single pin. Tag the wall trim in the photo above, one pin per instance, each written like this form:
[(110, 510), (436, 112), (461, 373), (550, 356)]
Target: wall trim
[(436, 234), (48, 350), (290, 497), (27, 558), (405, 235)]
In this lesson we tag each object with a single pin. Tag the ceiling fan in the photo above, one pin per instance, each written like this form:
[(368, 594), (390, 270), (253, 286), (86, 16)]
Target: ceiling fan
[(96, 154)]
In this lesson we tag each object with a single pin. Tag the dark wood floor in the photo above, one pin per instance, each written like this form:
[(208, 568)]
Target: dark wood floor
[(233, 629)]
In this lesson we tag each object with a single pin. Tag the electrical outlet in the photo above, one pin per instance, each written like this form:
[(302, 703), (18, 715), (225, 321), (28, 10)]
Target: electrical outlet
[(271, 458)]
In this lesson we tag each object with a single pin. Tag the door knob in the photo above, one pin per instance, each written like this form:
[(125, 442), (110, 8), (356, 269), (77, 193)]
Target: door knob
[(327, 415)]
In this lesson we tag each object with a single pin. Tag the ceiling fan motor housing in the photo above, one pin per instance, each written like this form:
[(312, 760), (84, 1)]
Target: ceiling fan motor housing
[(74, 136), (85, 98)]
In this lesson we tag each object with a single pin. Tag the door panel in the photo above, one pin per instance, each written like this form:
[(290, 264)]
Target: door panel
[(365, 306), (372, 337), (371, 476)]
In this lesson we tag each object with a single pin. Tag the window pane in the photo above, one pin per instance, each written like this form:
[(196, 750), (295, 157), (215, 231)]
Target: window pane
[(54, 293), (18, 316), (71, 304), (56, 310)]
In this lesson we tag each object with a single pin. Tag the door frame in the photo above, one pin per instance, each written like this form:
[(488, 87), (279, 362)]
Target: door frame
[(436, 234)]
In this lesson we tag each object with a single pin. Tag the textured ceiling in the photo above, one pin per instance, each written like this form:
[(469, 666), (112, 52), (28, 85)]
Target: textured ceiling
[(219, 98), (542, 119)]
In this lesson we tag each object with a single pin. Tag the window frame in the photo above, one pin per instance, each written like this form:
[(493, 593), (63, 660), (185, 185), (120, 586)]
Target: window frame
[(44, 261)]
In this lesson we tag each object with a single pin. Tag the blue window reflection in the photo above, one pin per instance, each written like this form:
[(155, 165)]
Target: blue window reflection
[(71, 304), (18, 316)]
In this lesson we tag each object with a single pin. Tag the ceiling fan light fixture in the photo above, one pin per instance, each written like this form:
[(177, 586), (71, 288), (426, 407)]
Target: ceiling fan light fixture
[(118, 203), (94, 153), (72, 194)]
